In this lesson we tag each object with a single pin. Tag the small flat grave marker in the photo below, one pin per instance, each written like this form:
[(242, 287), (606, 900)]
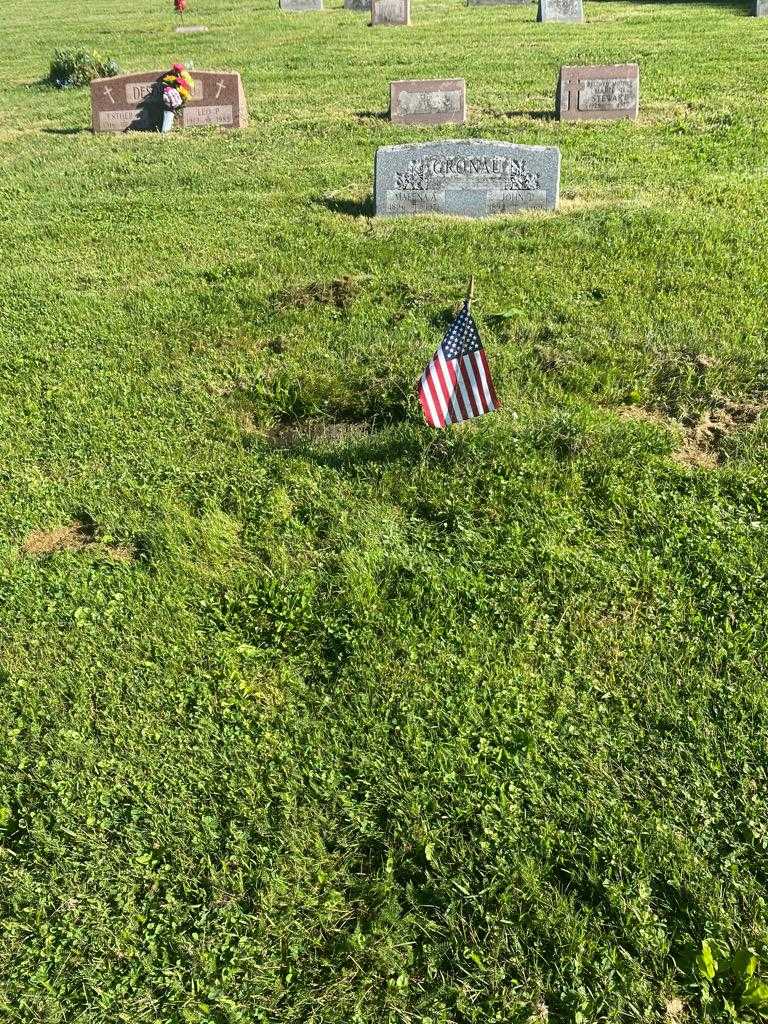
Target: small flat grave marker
[(434, 101), (606, 92), (298, 6), (561, 10), (189, 29), (466, 178), (390, 12), (134, 102)]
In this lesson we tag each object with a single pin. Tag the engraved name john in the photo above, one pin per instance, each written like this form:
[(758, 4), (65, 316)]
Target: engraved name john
[(467, 172)]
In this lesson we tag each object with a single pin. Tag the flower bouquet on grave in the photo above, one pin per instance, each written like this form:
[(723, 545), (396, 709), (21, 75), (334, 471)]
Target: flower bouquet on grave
[(177, 88)]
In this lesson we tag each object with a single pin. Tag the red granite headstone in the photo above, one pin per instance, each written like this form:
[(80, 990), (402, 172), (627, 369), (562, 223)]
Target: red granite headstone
[(134, 102), (432, 101), (598, 92)]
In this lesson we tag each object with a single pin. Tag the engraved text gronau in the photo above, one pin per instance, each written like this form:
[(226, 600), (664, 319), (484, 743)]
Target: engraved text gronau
[(467, 172)]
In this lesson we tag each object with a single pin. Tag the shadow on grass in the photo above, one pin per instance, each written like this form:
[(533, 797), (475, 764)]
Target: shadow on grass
[(372, 115), (347, 207), (378, 449), (707, 3), (64, 131)]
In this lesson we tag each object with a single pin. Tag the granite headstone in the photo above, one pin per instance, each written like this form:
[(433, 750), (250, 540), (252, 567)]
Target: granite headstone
[(358, 5), (298, 6), (561, 10), (134, 102), (760, 8), (466, 178), (390, 12), (607, 92), (433, 101)]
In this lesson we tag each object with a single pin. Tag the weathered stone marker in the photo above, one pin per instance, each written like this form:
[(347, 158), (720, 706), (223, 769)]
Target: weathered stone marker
[(134, 102), (357, 5), (760, 8), (598, 92), (186, 30), (438, 101), (494, 3), (561, 10), (390, 12), (297, 6), (466, 177)]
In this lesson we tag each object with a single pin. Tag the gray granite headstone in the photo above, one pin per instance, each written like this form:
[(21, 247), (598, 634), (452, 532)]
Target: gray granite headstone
[(561, 10), (391, 12), (607, 92), (357, 5), (466, 178), (760, 8), (297, 6), (431, 101)]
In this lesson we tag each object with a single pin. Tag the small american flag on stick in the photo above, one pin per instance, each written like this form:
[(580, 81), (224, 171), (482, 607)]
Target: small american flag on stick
[(456, 384)]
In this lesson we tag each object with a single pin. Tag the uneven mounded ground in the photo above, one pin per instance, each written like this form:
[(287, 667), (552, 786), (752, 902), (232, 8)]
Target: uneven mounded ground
[(310, 714)]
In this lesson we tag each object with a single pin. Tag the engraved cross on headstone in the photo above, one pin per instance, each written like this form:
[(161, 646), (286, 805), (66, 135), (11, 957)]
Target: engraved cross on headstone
[(220, 85), (108, 92)]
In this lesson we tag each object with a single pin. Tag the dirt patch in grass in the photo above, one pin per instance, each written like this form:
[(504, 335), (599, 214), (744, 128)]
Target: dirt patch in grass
[(639, 414), (316, 432), (706, 434), (675, 1010), (703, 434), (340, 293), (79, 535)]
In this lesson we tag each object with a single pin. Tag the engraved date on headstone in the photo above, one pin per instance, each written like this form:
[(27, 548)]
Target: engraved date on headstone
[(428, 201), (512, 201), (222, 114), (120, 120)]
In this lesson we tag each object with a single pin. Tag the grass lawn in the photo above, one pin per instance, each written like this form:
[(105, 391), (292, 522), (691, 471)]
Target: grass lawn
[(309, 713)]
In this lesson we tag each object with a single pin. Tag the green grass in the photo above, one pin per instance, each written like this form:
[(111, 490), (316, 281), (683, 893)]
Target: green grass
[(395, 726)]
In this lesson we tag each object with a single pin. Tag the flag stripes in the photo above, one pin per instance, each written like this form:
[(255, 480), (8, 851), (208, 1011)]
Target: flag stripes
[(457, 384)]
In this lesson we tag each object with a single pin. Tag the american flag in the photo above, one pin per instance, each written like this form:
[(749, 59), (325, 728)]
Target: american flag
[(457, 385)]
